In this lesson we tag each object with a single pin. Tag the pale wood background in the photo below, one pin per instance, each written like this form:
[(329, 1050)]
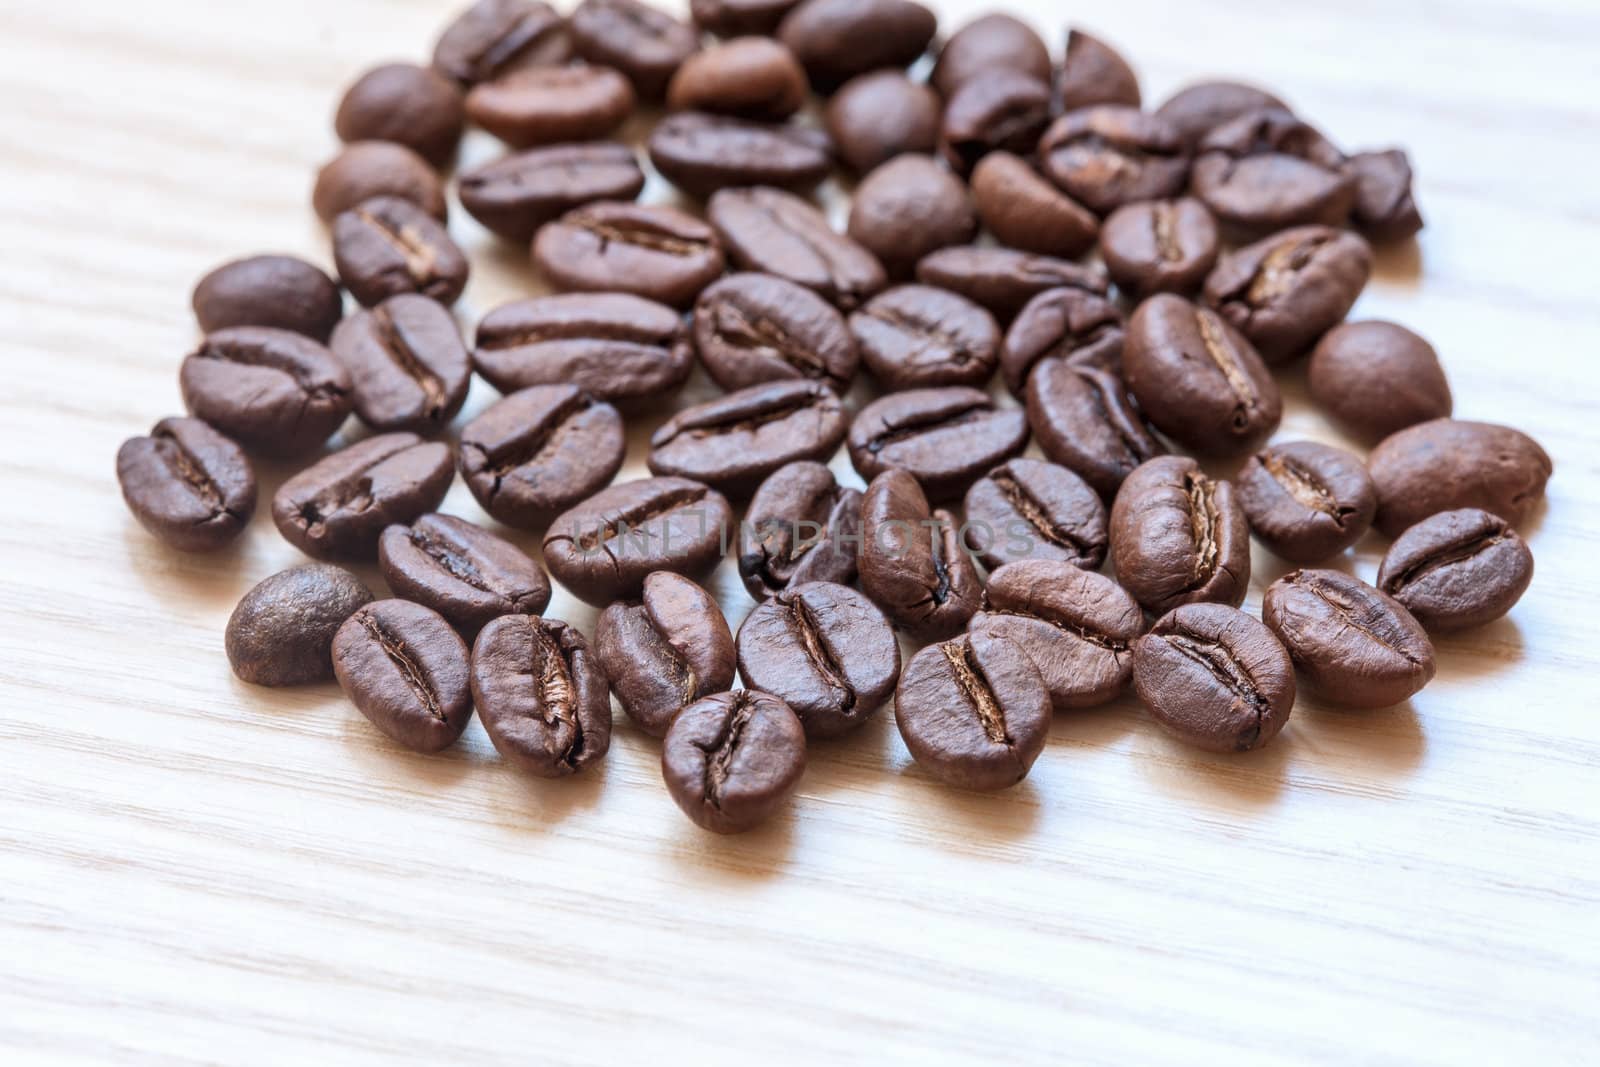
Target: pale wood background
[(195, 869)]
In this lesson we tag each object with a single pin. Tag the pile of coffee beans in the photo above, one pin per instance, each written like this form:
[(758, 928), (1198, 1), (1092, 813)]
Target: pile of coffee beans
[(1132, 276)]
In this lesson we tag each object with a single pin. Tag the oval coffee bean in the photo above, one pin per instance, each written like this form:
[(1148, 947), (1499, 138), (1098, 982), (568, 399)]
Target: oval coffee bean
[(387, 246), (273, 391), (1457, 569), (516, 195), (701, 153), (908, 207), (1307, 501), (1384, 209), (1003, 280), (912, 563), (282, 631), (1076, 326), (1215, 678), (879, 115), (656, 252), (733, 442), (823, 649), (1085, 420), (645, 44), (493, 37), (731, 760), (775, 232), (989, 42), (838, 39), (338, 507), (278, 291), (748, 77), (549, 105), (916, 336), (540, 695), (1025, 211), (1092, 72), (1159, 246), (367, 170), (1179, 537), (188, 485), (946, 438), (998, 110), (1450, 463), (408, 364), (1027, 509), (664, 651), (1376, 378), (404, 669), (402, 102), (755, 328), (733, 18), (801, 526), (1198, 109), (462, 571), (1267, 170), (1109, 155)]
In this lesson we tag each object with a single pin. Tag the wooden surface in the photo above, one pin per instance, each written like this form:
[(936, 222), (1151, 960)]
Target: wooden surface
[(195, 869)]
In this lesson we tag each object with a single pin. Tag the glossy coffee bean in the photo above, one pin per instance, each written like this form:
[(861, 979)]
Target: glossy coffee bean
[(731, 760), (541, 695), (408, 365), (1199, 108), (1003, 280), (1084, 419), (655, 252), (1385, 209), (645, 43), (516, 195), (754, 328), (1107, 156), (1077, 326), (1377, 377), (388, 246), (278, 291), (1179, 536), (946, 438), (404, 669), (405, 103), (998, 110), (1307, 501), (1457, 569), (838, 39), (879, 115), (1159, 246), (909, 207), (801, 526), (273, 391), (735, 18), (990, 42), (494, 37), (1092, 72), (664, 651), (1448, 464), (1029, 509), (188, 485), (912, 563), (1025, 211), (748, 77), (368, 169), (339, 506), (551, 105), (734, 441), (775, 232), (281, 633), (1266, 170), (701, 153), (462, 571), (915, 336)]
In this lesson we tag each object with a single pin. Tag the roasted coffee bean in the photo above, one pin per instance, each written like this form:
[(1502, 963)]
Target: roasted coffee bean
[(701, 153), (801, 526), (408, 364), (912, 563), (549, 105), (1029, 509), (1179, 537), (838, 39), (404, 669), (1159, 246), (539, 451), (1107, 156), (278, 291), (368, 169), (1307, 501), (282, 631), (877, 116), (1377, 377), (1267, 170), (755, 328), (387, 246), (997, 110), (909, 207), (407, 104), (1198, 379), (731, 760), (823, 649), (1092, 72), (541, 696), (749, 77), (516, 195), (1024, 211), (735, 18), (915, 336), (656, 252), (338, 507), (1085, 420), (973, 711), (1001, 279), (1215, 678), (775, 232), (645, 44), (603, 548), (1078, 326), (1385, 209), (1447, 464), (1198, 109), (990, 42), (462, 571), (273, 391), (1457, 569), (494, 37), (946, 438), (734, 441), (664, 651), (188, 485), (1287, 290)]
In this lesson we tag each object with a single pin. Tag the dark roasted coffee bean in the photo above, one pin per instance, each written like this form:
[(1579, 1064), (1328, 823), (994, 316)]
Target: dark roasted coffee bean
[(549, 105), (408, 364), (188, 485), (603, 548), (273, 391), (282, 631), (749, 77), (701, 153), (516, 195), (1092, 72), (404, 669), (1024, 211), (656, 252), (990, 42), (731, 760), (946, 438), (1450, 463), (1457, 569), (401, 102), (1085, 420), (278, 291), (462, 571), (1159, 246), (1385, 209), (1377, 377), (1267, 170), (1215, 678), (664, 651), (645, 44), (493, 37), (1107, 156), (1307, 501), (540, 451), (909, 207), (1078, 326), (755, 328), (541, 696), (733, 442), (973, 711), (368, 169), (1179, 537), (838, 39), (735, 18), (1198, 109), (997, 110), (337, 508), (823, 649), (775, 232), (1287, 290), (1198, 379), (915, 336), (387, 246), (877, 116), (1030, 509), (1001, 279), (912, 563), (801, 526)]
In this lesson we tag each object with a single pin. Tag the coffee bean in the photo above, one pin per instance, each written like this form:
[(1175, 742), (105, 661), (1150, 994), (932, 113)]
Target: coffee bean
[(188, 485), (1385, 209), (1457, 570), (494, 37), (368, 169), (990, 42), (1215, 678), (539, 451), (915, 336), (801, 526), (973, 711), (749, 77), (1267, 170), (701, 153), (877, 116), (775, 232), (278, 291), (823, 649), (410, 105), (404, 669), (1448, 464), (1001, 279), (1108, 155), (409, 367), (1307, 501), (541, 695), (1179, 536), (838, 39), (1198, 379), (387, 246), (731, 760), (603, 548), (755, 328), (645, 44), (462, 571), (1159, 246), (1024, 211), (1085, 420), (1078, 326), (912, 563), (1198, 109), (1287, 290), (1377, 377), (734, 18), (665, 651), (734, 441), (1028, 509), (946, 438), (549, 105), (274, 392), (909, 207), (656, 252), (337, 507), (1092, 72), (516, 195), (997, 110), (282, 631)]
